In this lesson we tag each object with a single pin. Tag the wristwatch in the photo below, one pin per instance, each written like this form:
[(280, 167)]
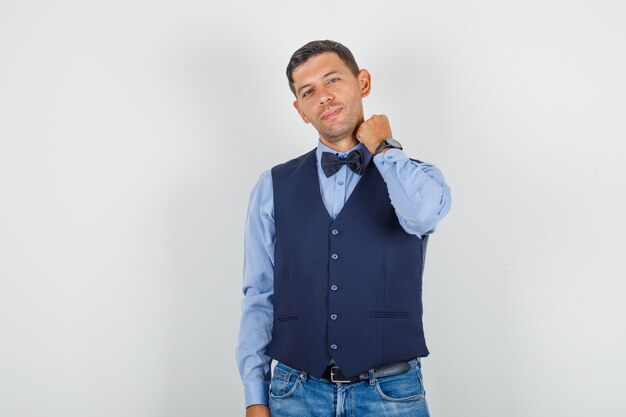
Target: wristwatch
[(387, 143)]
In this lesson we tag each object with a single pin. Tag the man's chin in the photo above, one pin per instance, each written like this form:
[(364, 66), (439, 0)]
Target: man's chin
[(336, 135)]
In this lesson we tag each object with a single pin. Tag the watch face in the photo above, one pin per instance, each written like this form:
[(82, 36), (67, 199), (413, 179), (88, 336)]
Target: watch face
[(386, 144), (394, 143)]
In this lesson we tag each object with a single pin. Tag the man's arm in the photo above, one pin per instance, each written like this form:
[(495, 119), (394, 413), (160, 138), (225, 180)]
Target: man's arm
[(417, 190), (258, 410), (257, 310)]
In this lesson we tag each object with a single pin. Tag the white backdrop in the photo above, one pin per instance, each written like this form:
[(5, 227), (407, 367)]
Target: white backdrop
[(131, 133)]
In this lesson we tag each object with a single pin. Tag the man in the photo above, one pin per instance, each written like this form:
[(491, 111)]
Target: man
[(334, 249)]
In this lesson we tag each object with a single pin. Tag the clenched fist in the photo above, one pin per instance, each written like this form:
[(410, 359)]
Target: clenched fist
[(373, 131)]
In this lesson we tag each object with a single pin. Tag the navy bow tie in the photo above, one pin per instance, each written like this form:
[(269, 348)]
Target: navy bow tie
[(331, 162)]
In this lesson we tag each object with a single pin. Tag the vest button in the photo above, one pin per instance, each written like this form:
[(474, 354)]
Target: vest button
[(333, 346), (334, 256), (333, 317), (333, 287), (335, 232)]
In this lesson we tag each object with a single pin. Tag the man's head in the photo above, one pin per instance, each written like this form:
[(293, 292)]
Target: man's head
[(329, 88)]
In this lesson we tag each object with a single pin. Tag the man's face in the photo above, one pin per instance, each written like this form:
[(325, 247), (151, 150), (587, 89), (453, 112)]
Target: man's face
[(328, 95)]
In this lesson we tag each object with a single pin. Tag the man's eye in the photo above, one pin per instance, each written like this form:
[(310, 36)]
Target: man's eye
[(333, 80), (306, 93)]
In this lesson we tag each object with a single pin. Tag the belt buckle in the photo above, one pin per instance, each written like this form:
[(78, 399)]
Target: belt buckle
[(332, 376)]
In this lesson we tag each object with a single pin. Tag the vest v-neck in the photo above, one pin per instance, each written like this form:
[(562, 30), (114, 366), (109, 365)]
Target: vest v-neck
[(350, 198)]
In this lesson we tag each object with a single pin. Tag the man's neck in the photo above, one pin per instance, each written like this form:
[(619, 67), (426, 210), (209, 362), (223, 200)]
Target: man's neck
[(342, 145)]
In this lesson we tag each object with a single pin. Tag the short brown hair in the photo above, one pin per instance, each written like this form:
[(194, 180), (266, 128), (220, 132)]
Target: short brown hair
[(315, 48)]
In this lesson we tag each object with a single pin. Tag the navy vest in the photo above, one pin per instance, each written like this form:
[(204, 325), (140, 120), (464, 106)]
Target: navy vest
[(349, 289)]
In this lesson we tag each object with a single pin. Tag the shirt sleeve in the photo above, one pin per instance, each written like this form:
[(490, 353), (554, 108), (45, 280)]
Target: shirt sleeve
[(258, 286), (418, 191)]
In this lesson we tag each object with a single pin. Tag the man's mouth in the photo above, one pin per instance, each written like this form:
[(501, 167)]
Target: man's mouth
[(329, 114)]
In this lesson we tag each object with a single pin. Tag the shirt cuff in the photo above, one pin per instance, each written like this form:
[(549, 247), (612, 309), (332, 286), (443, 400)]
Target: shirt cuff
[(384, 161), (256, 392)]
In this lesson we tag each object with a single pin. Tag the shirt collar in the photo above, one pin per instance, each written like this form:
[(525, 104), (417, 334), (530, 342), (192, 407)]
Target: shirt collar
[(367, 156)]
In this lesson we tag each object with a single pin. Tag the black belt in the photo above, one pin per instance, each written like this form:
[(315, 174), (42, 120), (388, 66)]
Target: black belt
[(333, 373)]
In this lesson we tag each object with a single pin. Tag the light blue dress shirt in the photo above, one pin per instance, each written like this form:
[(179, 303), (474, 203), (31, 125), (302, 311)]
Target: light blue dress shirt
[(419, 195)]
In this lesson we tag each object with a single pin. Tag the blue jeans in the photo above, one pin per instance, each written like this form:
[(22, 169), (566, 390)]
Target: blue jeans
[(296, 394)]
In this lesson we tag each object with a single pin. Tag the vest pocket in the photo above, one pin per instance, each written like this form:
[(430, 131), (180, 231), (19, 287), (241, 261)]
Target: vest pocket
[(388, 315), (287, 317)]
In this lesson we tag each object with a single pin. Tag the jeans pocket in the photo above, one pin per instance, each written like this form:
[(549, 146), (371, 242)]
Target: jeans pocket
[(283, 384), (405, 387)]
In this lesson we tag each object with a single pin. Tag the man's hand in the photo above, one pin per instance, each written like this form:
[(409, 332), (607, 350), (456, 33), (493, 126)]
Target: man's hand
[(373, 131), (258, 410)]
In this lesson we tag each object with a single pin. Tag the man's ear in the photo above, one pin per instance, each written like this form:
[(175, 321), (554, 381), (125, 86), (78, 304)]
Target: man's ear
[(365, 81), (304, 118)]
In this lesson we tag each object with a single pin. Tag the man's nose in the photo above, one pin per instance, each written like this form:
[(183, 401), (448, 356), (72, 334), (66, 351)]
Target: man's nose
[(325, 98)]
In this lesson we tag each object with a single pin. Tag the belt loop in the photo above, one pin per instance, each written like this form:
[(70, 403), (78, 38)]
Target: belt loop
[(371, 376)]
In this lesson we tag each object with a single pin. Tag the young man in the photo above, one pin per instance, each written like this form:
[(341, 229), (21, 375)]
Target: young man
[(334, 253)]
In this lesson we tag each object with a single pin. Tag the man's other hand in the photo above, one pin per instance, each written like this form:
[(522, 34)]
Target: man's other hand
[(258, 410), (373, 131)]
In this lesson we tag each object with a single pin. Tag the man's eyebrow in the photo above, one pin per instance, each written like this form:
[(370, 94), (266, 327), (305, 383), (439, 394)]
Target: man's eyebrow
[(324, 76)]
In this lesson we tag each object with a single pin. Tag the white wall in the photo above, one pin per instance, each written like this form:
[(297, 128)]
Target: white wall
[(131, 133)]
